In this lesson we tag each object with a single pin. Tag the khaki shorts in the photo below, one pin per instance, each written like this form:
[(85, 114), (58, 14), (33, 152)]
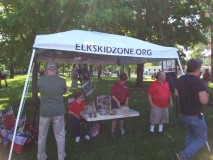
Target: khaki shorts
[(159, 115)]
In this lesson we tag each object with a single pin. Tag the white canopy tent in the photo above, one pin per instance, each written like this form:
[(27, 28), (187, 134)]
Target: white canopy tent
[(89, 47), (94, 47)]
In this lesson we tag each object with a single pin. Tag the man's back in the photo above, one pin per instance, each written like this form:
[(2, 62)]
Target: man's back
[(52, 89), (188, 87)]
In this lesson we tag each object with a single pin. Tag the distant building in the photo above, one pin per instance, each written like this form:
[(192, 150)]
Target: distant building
[(152, 69)]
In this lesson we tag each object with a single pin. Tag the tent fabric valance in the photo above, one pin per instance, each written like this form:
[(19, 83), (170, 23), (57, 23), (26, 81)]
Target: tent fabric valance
[(91, 47)]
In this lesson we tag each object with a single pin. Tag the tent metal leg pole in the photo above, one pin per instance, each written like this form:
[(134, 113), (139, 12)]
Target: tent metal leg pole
[(181, 69), (28, 85), (21, 104)]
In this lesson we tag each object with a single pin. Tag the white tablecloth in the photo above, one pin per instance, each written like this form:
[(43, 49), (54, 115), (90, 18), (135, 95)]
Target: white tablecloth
[(119, 114)]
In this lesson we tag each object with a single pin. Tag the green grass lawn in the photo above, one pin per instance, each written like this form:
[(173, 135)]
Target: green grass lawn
[(137, 143)]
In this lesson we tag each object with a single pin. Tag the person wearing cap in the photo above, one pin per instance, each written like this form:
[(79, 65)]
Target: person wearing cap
[(52, 109), (192, 95), (158, 96), (120, 96)]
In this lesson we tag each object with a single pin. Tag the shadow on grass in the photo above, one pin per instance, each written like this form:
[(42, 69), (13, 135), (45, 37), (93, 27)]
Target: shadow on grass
[(135, 145)]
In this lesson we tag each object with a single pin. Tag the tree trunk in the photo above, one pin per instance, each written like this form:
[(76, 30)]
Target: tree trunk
[(91, 70), (63, 68), (211, 52), (129, 72), (34, 84), (122, 69), (139, 80)]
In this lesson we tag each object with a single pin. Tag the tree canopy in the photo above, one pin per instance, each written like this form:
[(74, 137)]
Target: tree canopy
[(164, 22)]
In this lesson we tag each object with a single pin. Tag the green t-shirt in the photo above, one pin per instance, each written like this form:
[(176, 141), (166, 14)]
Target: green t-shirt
[(52, 89)]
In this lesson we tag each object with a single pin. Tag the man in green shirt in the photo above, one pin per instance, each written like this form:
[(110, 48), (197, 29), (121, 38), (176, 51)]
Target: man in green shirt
[(52, 109)]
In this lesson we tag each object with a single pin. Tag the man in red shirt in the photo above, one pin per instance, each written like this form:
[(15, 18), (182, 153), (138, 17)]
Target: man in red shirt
[(120, 96), (159, 95)]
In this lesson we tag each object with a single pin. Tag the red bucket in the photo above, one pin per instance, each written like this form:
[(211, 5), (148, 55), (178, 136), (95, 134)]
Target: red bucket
[(16, 148)]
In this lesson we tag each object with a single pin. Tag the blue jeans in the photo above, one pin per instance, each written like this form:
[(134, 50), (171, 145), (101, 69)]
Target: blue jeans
[(196, 135), (74, 83)]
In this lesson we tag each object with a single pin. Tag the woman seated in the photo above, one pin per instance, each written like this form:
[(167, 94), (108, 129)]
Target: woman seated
[(74, 110)]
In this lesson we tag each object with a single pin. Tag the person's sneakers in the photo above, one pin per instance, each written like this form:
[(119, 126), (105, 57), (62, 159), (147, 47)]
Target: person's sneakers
[(87, 137), (122, 132), (77, 139)]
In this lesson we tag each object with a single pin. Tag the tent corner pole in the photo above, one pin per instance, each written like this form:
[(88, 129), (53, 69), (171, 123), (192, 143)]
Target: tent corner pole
[(21, 103), (181, 69)]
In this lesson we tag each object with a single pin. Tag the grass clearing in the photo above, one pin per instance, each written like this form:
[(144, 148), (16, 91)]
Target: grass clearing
[(136, 145)]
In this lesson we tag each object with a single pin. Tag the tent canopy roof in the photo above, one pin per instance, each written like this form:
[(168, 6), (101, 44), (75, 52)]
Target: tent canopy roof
[(89, 47)]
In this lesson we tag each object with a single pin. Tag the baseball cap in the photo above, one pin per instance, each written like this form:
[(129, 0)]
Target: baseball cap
[(123, 77), (52, 66)]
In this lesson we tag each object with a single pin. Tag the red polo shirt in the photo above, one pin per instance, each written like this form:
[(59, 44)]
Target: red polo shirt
[(120, 92), (160, 93), (76, 107)]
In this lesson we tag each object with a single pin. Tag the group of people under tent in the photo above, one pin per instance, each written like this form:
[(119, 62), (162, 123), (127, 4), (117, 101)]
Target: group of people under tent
[(82, 74), (190, 90)]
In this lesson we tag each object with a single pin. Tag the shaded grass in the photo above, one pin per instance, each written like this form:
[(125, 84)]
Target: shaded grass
[(136, 145)]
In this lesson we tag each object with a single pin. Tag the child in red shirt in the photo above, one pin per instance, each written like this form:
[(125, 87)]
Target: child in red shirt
[(74, 110), (120, 96)]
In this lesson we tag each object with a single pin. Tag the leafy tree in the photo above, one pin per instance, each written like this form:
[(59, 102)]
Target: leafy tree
[(197, 51), (169, 23), (163, 22), (20, 22), (152, 64)]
